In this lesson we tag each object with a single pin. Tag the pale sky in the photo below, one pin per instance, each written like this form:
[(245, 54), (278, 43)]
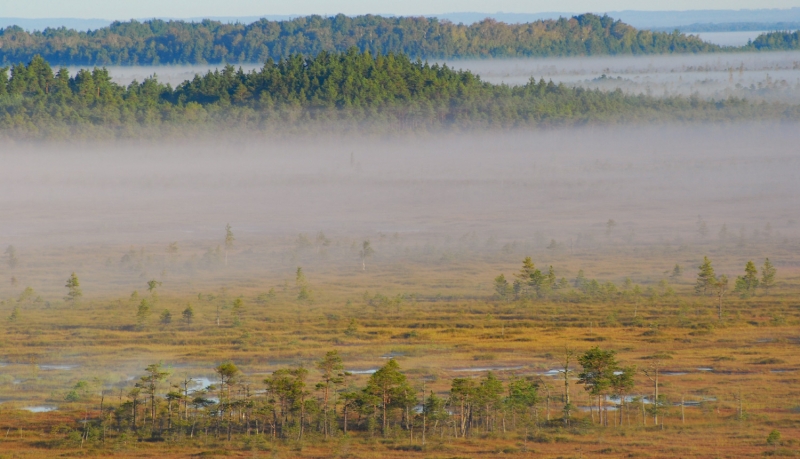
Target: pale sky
[(126, 9)]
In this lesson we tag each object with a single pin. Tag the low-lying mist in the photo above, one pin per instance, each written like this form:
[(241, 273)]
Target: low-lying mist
[(111, 210), (769, 76), (773, 76)]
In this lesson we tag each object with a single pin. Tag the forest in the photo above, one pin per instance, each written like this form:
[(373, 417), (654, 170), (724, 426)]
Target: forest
[(383, 91), (158, 42)]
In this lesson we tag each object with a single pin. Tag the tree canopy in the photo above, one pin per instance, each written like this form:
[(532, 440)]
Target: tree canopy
[(391, 90), (157, 42)]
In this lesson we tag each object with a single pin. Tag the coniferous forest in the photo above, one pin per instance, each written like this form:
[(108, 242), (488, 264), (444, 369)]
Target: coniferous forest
[(159, 42), (383, 90)]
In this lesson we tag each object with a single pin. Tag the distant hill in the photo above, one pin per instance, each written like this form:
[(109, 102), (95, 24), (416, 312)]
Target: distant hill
[(733, 27), (179, 42)]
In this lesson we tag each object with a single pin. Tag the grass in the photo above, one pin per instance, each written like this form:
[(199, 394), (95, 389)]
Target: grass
[(434, 317)]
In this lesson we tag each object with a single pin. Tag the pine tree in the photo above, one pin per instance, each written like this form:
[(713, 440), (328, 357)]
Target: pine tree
[(677, 271), (303, 292), (501, 287), (74, 291), (229, 239), (768, 272), (705, 277), (166, 317), (746, 285), (188, 314), (11, 254), (142, 313)]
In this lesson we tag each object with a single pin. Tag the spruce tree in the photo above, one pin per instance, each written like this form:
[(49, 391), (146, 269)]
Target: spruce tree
[(74, 291), (746, 285), (705, 277), (768, 272)]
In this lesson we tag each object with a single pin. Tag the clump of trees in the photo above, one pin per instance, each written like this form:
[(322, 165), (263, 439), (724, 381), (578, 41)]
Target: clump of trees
[(293, 407), (531, 283)]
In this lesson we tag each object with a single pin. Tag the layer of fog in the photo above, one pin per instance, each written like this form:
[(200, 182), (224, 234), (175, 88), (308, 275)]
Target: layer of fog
[(110, 208), (730, 38), (755, 76), (773, 76)]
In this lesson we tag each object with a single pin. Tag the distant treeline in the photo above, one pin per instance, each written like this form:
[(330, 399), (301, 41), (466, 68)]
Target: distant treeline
[(391, 90), (732, 27), (177, 42)]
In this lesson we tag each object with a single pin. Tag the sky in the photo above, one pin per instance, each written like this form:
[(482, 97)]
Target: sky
[(126, 9)]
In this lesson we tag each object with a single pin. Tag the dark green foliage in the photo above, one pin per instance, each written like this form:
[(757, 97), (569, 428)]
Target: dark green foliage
[(746, 285), (705, 278), (158, 42), (775, 41), (389, 91)]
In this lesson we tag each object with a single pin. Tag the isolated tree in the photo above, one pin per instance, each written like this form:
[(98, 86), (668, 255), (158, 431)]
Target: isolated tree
[(530, 278), (228, 374), (502, 287), (677, 272), (366, 252), (142, 313), (14, 314), (580, 280), (153, 376), (332, 370), (622, 383), (723, 233), (598, 374), (152, 285), (549, 282), (705, 278), (188, 314), (11, 255), (229, 239), (522, 398), (653, 372), (462, 398), (702, 227), (166, 317), (237, 309), (303, 292), (768, 272), (566, 372), (610, 225), (720, 290), (434, 410), (74, 291), (390, 386), (746, 285)]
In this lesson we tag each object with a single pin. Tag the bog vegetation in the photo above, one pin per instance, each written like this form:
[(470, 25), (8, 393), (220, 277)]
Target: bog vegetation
[(538, 363)]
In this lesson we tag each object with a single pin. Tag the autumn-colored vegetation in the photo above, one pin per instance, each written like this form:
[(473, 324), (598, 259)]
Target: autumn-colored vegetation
[(358, 360)]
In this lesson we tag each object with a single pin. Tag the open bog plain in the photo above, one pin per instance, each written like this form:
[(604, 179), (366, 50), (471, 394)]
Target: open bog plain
[(264, 254)]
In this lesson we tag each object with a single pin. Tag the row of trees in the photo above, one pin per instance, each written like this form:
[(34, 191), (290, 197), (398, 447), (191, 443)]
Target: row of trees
[(709, 283), (531, 282), (287, 405), (177, 42)]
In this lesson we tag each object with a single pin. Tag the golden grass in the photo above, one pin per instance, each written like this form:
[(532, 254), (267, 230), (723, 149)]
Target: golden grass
[(445, 320)]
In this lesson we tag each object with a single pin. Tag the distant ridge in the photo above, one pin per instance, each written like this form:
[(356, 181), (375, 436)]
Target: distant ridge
[(733, 27), (158, 42), (688, 21)]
